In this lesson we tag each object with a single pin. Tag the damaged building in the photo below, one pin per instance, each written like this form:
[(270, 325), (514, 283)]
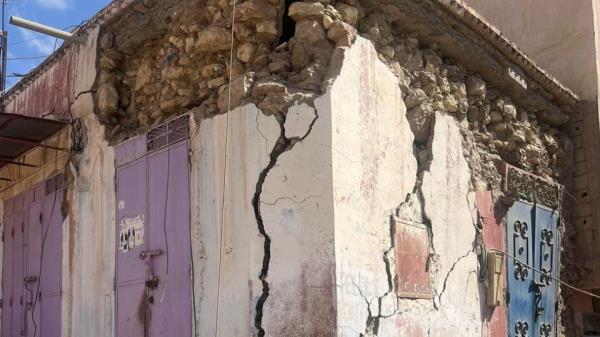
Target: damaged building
[(288, 168)]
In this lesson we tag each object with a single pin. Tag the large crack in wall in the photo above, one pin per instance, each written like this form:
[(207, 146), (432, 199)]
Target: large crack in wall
[(283, 144), (185, 66)]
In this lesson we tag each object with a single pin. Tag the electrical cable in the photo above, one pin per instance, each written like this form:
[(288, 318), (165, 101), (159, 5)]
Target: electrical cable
[(572, 287), (225, 165), (26, 58), (165, 215), (45, 235)]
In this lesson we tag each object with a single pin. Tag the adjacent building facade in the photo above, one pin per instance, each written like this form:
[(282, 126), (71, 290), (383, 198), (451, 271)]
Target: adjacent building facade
[(288, 168)]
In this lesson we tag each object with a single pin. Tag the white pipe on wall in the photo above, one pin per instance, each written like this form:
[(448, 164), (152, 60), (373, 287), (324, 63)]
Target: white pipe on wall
[(47, 30)]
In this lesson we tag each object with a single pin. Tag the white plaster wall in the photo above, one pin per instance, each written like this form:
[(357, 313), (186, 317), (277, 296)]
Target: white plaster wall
[(450, 208), (89, 235), (251, 137), (297, 208), (374, 169)]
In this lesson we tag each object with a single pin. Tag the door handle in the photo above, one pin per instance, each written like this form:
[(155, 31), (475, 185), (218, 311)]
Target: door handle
[(537, 288), (147, 254), (30, 279)]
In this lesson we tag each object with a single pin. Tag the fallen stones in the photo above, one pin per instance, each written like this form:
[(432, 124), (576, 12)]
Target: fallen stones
[(299, 11), (419, 120), (340, 30), (348, 13), (476, 87), (108, 99), (213, 39), (255, 10), (415, 98), (245, 52), (233, 95)]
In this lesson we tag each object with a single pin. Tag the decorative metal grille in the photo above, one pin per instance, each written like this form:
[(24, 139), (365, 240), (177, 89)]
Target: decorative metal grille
[(168, 133), (532, 188)]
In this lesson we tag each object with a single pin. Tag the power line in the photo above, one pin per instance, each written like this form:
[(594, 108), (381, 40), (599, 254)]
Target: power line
[(27, 40), (572, 287), (27, 58)]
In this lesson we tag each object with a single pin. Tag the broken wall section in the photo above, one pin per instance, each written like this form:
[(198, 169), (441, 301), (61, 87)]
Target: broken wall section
[(264, 229), (494, 128), (89, 232)]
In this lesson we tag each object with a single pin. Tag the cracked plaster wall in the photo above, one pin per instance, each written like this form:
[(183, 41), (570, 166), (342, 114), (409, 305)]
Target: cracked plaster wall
[(252, 136), (296, 207), (326, 206), (89, 232), (333, 178), (374, 169)]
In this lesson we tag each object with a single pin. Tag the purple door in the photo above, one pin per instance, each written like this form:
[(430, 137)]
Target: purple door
[(31, 281), (49, 301), (154, 294), (18, 264), (7, 281), (33, 262)]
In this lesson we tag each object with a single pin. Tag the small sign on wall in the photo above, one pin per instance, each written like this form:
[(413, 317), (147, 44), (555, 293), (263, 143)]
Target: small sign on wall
[(132, 233), (412, 253)]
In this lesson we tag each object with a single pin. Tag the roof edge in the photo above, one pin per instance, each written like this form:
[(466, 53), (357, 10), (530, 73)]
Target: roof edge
[(480, 25), (458, 8)]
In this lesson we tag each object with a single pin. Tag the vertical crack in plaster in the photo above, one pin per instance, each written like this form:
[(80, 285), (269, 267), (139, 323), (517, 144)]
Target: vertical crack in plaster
[(282, 145), (439, 296)]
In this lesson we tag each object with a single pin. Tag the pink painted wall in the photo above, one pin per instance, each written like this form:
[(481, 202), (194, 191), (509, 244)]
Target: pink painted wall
[(494, 237), (49, 93)]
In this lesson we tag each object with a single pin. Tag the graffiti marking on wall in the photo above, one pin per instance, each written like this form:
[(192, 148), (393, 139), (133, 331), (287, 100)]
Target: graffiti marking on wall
[(132, 233)]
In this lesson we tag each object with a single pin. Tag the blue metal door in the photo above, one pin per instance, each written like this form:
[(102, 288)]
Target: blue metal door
[(531, 236), (545, 288)]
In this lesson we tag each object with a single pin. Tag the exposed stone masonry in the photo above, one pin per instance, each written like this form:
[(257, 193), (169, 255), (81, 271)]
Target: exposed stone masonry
[(185, 65), (165, 58)]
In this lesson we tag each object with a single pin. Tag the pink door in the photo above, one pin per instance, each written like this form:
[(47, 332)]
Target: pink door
[(154, 289), (32, 269)]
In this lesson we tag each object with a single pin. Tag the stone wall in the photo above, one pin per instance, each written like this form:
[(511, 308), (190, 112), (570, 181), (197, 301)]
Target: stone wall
[(321, 165)]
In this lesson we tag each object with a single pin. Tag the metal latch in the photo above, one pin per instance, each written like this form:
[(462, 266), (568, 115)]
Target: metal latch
[(146, 254), (30, 279)]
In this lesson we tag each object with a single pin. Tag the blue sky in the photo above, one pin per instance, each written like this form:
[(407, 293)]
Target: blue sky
[(23, 44)]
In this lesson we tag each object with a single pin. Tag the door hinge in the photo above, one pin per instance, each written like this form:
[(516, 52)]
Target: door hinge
[(22, 227), (10, 303), (2, 236), (1, 303), (41, 218), (12, 232)]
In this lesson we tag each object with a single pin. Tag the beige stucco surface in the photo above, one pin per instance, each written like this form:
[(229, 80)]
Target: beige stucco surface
[(374, 169), (557, 34), (89, 236), (227, 235)]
